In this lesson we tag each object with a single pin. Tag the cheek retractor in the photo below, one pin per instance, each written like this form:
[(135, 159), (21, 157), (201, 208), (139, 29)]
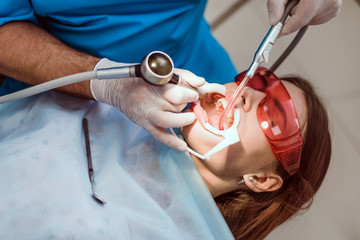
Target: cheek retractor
[(230, 135)]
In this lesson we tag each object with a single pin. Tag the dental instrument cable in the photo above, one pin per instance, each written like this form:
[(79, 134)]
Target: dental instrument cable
[(289, 49)]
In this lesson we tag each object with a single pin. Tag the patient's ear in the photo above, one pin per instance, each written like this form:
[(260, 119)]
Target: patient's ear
[(263, 182)]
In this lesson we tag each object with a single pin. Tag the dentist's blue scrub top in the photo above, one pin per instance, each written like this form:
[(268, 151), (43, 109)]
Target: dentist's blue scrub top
[(126, 30)]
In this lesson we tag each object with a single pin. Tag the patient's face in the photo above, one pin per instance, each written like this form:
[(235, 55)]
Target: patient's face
[(253, 152)]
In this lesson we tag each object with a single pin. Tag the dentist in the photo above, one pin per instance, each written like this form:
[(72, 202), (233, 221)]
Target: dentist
[(42, 40)]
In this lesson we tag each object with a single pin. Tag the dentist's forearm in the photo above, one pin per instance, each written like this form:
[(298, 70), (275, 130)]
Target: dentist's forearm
[(32, 55)]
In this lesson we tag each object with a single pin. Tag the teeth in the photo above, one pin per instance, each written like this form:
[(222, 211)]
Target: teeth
[(220, 107), (221, 104), (230, 118)]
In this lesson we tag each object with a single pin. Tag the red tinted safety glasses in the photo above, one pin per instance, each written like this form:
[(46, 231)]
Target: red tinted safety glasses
[(277, 117)]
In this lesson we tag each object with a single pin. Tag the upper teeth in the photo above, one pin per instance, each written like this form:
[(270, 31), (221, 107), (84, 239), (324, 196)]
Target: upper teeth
[(223, 102)]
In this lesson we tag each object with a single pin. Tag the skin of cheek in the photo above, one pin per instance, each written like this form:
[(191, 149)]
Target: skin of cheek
[(253, 151), (237, 159), (247, 156), (202, 141), (251, 154), (199, 139)]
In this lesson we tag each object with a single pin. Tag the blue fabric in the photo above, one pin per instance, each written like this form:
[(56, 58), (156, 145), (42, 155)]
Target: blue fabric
[(126, 30), (152, 191), (9, 85)]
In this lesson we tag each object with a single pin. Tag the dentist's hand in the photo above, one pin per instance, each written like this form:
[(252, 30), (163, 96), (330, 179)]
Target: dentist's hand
[(306, 12), (151, 107)]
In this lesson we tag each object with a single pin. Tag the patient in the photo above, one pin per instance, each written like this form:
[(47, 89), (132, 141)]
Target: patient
[(253, 189), (152, 191)]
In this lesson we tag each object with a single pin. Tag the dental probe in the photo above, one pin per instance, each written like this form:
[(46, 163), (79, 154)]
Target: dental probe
[(261, 55), (89, 161), (156, 68)]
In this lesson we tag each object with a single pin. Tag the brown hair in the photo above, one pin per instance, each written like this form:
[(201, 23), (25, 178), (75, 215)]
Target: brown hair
[(253, 215)]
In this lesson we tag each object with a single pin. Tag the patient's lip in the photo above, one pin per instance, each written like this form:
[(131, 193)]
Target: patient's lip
[(210, 112)]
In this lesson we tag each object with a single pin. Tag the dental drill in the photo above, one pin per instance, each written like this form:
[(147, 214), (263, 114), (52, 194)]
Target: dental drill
[(156, 68)]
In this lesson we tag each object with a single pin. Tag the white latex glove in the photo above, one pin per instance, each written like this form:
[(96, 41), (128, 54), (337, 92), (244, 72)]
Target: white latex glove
[(151, 107), (306, 12)]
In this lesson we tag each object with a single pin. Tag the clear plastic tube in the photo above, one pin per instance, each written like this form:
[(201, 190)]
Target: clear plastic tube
[(231, 104)]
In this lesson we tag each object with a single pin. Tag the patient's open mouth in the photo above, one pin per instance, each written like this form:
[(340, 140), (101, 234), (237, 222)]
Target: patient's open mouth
[(210, 112)]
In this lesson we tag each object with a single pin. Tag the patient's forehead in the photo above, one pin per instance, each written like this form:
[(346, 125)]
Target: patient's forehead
[(298, 97)]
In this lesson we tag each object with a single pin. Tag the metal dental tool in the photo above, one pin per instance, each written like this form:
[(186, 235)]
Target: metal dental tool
[(89, 160), (261, 55), (156, 68)]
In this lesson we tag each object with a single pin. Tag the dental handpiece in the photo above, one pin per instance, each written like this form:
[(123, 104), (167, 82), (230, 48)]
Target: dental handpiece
[(156, 68)]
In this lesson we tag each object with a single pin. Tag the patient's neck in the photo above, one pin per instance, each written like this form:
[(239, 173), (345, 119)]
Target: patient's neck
[(216, 185)]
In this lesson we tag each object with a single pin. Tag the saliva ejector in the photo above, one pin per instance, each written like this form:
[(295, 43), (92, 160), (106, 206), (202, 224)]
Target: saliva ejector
[(261, 55)]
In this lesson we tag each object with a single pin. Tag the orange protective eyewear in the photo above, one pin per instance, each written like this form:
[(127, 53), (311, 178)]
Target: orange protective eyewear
[(277, 117)]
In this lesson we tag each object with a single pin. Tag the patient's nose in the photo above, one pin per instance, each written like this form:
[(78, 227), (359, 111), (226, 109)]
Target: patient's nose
[(250, 98)]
